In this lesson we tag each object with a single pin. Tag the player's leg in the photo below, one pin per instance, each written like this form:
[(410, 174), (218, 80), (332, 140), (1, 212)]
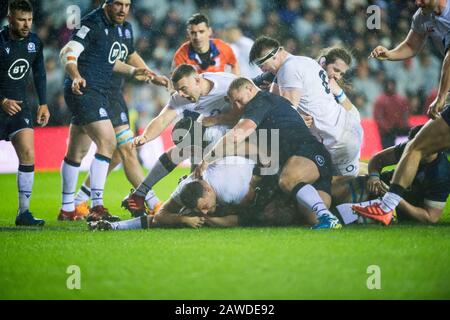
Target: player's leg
[(23, 142), (297, 177), (131, 165), (143, 222), (78, 146), (103, 135), (163, 166), (432, 138)]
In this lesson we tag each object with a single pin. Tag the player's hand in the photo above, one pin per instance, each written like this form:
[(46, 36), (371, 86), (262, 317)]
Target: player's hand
[(11, 107), (77, 84), (198, 172), (160, 80), (194, 222), (140, 140), (435, 107), (334, 86), (380, 53), (376, 186), (142, 74), (43, 115)]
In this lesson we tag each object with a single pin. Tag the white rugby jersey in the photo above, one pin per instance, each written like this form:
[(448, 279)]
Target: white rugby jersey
[(433, 26), (311, 80), (210, 105), (229, 177)]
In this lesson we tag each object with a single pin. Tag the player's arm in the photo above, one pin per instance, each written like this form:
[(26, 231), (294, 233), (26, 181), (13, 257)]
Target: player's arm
[(222, 222), (169, 215), (407, 49), (69, 55), (230, 141), (136, 60), (340, 95), (138, 73), (156, 126), (444, 85), (376, 164), (228, 118), (40, 83)]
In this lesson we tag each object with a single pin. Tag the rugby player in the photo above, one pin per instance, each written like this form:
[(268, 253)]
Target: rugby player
[(424, 201), (20, 50), (118, 112), (304, 164), (432, 20), (305, 84), (206, 94), (90, 59)]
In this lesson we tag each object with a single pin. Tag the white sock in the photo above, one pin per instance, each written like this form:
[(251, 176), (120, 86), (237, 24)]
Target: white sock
[(347, 213), (390, 201), (25, 179), (69, 175), (310, 198), (151, 199), (98, 173), (161, 169), (83, 195), (131, 224)]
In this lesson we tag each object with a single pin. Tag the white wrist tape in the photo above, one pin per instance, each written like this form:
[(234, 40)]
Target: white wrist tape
[(71, 52)]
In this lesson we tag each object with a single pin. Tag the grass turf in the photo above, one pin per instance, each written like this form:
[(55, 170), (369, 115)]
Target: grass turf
[(242, 263)]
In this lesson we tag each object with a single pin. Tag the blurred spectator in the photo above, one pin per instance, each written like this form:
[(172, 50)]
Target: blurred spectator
[(391, 114), (241, 46), (366, 85)]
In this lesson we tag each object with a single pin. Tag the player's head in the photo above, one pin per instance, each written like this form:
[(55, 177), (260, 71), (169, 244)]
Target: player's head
[(20, 17), (241, 91), (266, 53), (117, 10), (186, 82), (336, 61), (427, 5), (199, 196), (199, 32)]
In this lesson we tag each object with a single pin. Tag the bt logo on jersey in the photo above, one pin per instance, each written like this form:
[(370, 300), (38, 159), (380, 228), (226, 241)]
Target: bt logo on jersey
[(18, 69), (114, 53)]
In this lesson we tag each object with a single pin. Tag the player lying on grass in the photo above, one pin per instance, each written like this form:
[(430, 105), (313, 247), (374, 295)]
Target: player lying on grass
[(205, 94), (227, 196), (424, 201)]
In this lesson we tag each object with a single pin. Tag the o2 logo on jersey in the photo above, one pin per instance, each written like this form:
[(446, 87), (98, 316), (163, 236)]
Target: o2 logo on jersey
[(115, 52), (18, 69), (123, 52)]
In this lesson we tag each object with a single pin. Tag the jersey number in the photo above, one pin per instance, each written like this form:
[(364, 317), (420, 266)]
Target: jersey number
[(323, 76)]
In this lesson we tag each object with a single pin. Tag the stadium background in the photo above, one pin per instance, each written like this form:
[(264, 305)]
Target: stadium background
[(303, 26)]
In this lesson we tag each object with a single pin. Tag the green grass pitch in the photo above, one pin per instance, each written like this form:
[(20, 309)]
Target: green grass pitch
[(243, 263)]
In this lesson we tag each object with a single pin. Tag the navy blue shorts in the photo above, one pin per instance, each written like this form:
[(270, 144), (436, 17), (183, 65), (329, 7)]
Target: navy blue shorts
[(9, 125), (314, 151), (90, 107), (446, 114), (118, 110)]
